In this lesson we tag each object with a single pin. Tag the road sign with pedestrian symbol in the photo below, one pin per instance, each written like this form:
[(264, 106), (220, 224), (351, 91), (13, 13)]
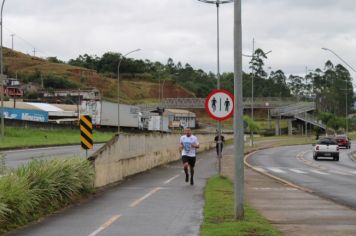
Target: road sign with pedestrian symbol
[(220, 105), (86, 132)]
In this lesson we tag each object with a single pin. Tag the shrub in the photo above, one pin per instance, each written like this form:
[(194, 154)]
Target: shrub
[(42, 187)]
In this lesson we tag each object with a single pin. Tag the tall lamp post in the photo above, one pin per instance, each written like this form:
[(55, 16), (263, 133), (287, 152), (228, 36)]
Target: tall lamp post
[(218, 3), (238, 114), (2, 76), (252, 85), (346, 110), (118, 89)]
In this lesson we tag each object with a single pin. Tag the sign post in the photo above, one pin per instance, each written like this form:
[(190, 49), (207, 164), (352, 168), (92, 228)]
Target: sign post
[(86, 133), (220, 106)]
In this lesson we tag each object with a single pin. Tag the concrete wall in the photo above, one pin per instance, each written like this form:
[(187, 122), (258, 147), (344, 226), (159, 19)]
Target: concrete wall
[(138, 153)]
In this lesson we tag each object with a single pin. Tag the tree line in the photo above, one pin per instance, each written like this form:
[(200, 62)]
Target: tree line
[(327, 86)]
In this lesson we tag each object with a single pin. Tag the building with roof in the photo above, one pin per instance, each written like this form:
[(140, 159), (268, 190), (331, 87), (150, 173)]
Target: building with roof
[(178, 118), (42, 112)]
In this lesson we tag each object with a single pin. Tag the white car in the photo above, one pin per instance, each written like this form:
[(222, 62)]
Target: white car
[(326, 147)]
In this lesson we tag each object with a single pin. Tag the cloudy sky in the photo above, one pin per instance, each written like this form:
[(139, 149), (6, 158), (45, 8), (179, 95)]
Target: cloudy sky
[(295, 30)]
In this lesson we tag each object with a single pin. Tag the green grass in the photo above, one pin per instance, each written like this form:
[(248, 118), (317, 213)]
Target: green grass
[(31, 137), (219, 213)]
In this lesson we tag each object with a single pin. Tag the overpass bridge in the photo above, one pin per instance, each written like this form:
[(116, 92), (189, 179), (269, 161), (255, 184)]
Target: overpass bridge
[(300, 112)]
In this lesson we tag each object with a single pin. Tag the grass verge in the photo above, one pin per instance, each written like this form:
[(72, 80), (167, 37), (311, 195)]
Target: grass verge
[(42, 187), (219, 213), (31, 137)]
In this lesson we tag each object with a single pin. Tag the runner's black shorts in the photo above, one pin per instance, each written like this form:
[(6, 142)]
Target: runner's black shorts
[(190, 160)]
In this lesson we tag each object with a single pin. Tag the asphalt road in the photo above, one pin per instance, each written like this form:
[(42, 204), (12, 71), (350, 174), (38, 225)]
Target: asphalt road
[(155, 203), (327, 178), (16, 158)]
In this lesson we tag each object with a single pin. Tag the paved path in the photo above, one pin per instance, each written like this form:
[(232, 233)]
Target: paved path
[(155, 203)]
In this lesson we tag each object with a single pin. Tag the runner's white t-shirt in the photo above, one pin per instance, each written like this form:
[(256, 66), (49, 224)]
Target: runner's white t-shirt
[(187, 142)]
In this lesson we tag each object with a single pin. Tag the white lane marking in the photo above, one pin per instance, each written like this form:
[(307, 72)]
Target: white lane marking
[(339, 173), (105, 225), (298, 171), (353, 172), (138, 201), (171, 179), (260, 169), (276, 170), (274, 189), (319, 172)]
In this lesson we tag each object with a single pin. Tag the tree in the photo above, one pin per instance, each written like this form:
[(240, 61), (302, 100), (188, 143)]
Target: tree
[(280, 87), (297, 86), (331, 88), (252, 126), (257, 63), (54, 60)]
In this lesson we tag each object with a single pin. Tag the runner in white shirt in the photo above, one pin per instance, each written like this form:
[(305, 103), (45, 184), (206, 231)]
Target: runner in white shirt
[(188, 146)]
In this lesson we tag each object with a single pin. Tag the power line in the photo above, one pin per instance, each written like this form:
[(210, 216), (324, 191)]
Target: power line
[(27, 42)]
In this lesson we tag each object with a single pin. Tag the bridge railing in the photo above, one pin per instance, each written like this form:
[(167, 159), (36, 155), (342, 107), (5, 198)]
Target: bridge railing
[(293, 109), (310, 119), (258, 102)]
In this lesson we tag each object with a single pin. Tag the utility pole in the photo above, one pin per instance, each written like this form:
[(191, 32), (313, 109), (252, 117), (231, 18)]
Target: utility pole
[(118, 89), (252, 89), (34, 52), (2, 75), (12, 41), (238, 114)]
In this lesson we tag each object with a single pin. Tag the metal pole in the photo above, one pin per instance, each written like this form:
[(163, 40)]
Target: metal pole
[(217, 3), (252, 89), (159, 87), (118, 98), (118, 89), (218, 82), (238, 114), (252, 80), (12, 41), (327, 49), (346, 110), (2, 76)]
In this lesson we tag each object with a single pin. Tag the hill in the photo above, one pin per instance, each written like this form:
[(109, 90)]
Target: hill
[(55, 74)]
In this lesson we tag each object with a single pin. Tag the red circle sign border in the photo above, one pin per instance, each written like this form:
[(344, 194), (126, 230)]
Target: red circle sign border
[(207, 104)]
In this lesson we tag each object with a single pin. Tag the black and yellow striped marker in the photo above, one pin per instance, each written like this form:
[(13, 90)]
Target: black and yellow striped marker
[(86, 132)]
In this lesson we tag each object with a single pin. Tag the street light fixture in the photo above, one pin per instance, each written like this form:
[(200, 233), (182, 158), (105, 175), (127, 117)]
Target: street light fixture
[(346, 111), (218, 3), (2, 75), (118, 89)]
